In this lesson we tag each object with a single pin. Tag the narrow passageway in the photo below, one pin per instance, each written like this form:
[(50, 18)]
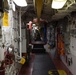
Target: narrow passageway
[(37, 37), (42, 63)]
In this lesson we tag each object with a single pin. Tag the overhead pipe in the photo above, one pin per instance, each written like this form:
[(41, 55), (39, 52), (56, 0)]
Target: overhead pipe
[(20, 33), (34, 2), (38, 4)]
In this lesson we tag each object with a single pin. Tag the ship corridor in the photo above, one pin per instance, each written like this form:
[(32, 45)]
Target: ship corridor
[(37, 39), (42, 62)]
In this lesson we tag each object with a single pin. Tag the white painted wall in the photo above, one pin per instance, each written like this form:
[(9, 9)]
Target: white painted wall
[(72, 47), (72, 68), (9, 34)]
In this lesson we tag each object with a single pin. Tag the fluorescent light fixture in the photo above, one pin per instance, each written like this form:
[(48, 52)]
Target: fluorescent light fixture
[(13, 6), (58, 4), (21, 3)]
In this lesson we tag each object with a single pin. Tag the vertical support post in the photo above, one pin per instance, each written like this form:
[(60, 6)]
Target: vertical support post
[(20, 33)]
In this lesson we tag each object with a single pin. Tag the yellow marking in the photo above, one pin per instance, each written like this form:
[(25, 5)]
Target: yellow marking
[(22, 61), (5, 19), (61, 72), (50, 72)]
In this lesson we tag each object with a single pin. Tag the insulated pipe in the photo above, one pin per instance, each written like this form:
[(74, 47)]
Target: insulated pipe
[(20, 33), (38, 4), (34, 2)]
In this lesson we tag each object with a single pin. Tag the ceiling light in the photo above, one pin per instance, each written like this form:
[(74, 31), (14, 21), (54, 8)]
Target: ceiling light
[(13, 6), (21, 3), (58, 4), (36, 28)]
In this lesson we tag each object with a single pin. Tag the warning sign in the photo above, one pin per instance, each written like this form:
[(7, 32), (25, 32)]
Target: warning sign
[(5, 19)]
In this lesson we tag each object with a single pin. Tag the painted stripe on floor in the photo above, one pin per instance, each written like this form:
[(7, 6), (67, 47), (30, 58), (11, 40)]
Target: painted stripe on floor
[(61, 72)]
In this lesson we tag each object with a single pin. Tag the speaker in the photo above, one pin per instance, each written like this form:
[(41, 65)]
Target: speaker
[(1, 5)]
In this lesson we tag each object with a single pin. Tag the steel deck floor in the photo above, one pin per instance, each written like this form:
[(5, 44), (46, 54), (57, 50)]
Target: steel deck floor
[(43, 64), (31, 69)]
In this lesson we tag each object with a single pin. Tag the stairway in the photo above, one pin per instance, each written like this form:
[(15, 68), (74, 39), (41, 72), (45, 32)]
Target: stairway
[(38, 48)]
